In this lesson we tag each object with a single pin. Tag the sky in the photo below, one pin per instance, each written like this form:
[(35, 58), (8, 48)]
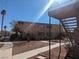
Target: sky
[(24, 10)]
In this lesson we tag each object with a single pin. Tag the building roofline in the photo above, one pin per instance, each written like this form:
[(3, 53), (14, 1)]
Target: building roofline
[(36, 23)]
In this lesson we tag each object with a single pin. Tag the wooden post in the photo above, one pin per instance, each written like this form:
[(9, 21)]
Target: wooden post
[(77, 31)]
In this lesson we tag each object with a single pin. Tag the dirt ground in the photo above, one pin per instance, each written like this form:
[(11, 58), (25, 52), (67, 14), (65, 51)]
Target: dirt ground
[(1, 45), (26, 46)]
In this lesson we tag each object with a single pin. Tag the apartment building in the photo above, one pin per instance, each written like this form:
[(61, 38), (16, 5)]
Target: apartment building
[(30, 27)]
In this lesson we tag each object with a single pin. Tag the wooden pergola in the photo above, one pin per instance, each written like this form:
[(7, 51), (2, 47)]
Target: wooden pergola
[(68, 11), (71, 10)]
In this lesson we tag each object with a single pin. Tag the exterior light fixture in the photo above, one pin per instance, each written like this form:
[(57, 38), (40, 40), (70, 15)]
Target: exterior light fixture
[(3, 13)]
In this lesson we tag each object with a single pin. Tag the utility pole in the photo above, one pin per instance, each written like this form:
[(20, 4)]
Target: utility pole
[(3, 12)]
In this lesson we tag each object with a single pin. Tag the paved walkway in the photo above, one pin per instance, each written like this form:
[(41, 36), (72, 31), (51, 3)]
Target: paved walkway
[(34, 52), (6, 50)]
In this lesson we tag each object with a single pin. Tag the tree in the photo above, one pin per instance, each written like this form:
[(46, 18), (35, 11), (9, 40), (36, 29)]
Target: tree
[(14, 26)]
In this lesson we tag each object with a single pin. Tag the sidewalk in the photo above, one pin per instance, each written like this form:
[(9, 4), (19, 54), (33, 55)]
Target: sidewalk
[(34, 52), (6, 50)]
